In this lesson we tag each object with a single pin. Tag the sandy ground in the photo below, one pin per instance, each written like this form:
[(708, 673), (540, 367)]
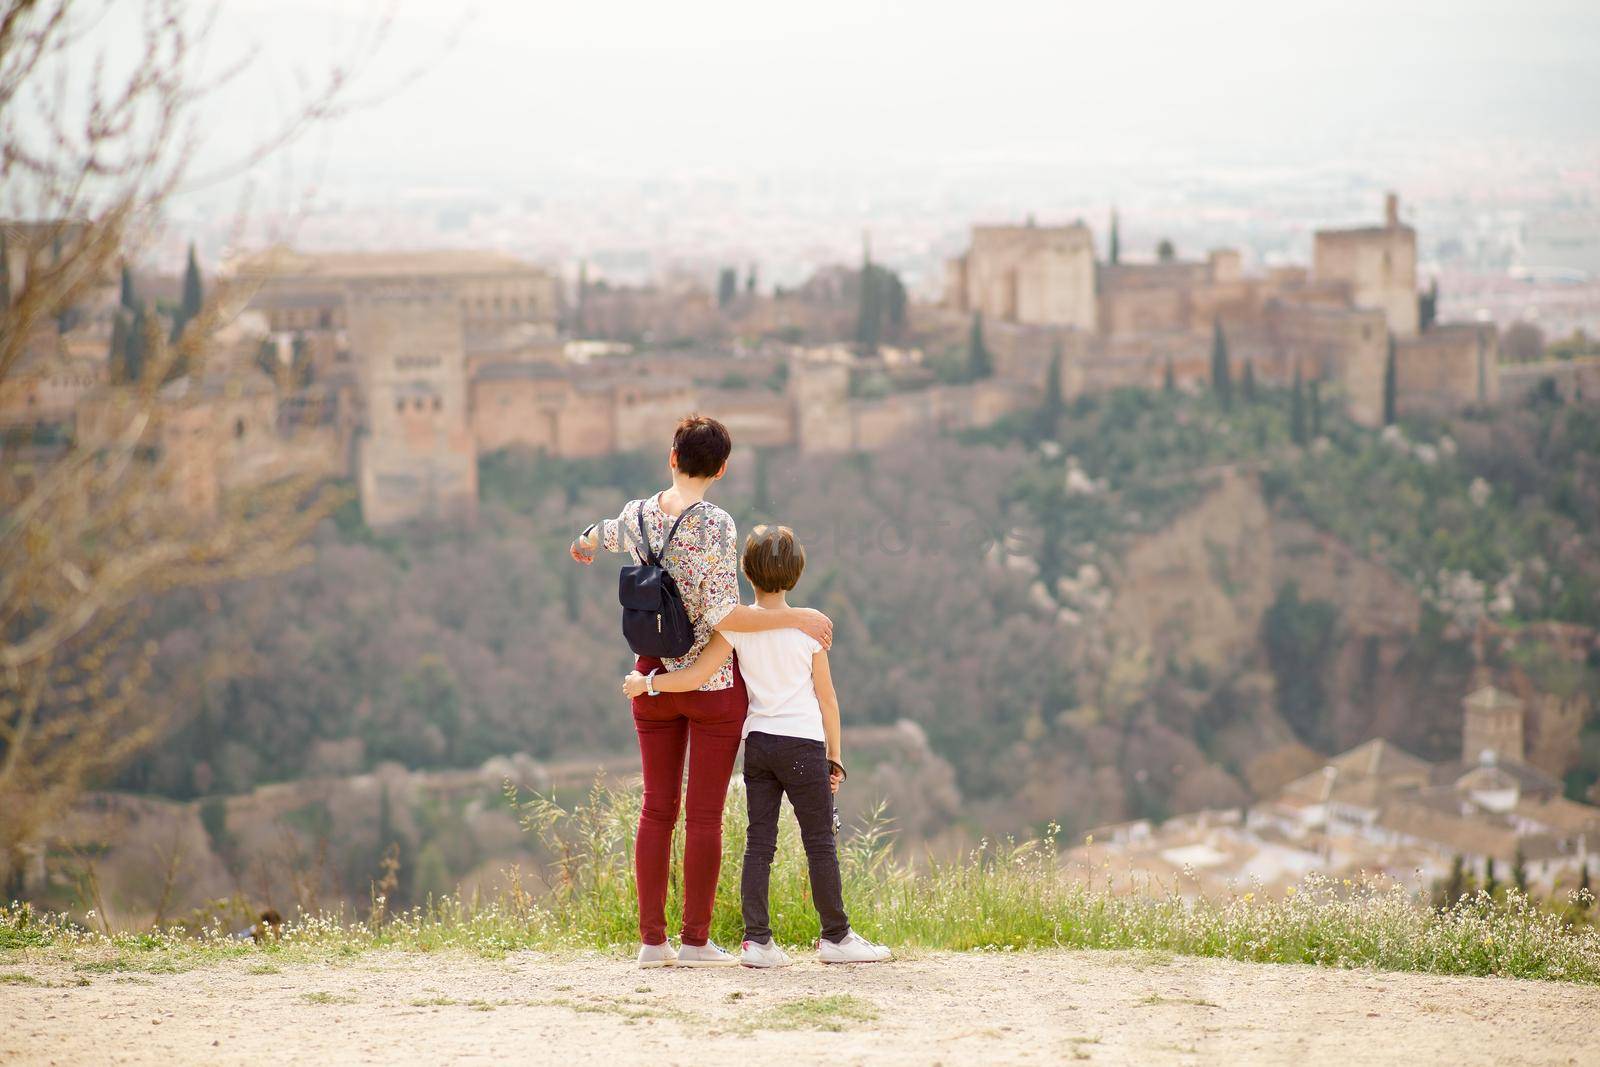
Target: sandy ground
[(1044, 1007)]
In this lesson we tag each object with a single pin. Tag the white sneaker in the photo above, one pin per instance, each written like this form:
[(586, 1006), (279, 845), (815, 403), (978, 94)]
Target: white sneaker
[(853, 949), (657, 955), (764, 954), (706, 955)]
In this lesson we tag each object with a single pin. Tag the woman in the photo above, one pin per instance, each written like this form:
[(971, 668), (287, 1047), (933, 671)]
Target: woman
[(707, 722)]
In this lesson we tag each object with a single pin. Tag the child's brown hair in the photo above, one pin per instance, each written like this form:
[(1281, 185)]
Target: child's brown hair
[(773, 558)]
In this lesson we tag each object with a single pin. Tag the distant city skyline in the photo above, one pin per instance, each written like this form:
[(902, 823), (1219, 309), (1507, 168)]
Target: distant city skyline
[(645, 139)]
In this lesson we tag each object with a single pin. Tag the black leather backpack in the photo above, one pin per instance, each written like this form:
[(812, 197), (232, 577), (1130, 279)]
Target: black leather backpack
[(654, 620)]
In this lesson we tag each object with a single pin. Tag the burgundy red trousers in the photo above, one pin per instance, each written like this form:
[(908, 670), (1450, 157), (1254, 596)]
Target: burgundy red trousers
[(707, 726)]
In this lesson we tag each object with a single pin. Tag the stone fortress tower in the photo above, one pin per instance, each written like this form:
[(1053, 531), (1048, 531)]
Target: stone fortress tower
[(417, 457), (1492, 725), (1036, 275), (1378, 263)]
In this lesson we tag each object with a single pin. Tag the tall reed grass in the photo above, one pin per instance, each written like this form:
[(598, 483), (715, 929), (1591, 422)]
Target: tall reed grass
[(1005, 896)]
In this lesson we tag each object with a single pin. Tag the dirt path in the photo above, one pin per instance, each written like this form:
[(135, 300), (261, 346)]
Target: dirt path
[(941, 1008)]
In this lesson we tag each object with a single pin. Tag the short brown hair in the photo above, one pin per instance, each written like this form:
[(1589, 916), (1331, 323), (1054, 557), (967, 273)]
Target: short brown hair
[(773, 558), (702, 444)]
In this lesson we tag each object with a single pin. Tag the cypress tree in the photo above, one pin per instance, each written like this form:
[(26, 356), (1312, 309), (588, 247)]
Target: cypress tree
[(1389, 385), (1297, 410), (750, 281), (1316, 409), (1519, 871), (1456, 887), (117, 357), (129, 300), (727, 286), (582, 316), (1428, 306), (869, 307), (1050, 411), (1221, 376), (135, 351), (1116, 240), (1169, 378), (1165, 252), (896, 304), (979, 363), (1248, 386), (1586, 896), (1491, 885), (193, 297)]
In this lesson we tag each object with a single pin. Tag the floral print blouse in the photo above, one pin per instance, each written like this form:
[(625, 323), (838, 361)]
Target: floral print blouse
[(700, 559)]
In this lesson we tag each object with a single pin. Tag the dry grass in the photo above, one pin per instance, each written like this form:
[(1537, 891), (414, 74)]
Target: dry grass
[(1008, 897)]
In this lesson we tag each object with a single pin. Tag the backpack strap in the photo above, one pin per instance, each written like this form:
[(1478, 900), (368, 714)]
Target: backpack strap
[(681, 516), (649, 555), (646, 555)]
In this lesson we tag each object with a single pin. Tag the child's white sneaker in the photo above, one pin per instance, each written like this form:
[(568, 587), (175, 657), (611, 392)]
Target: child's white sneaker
[(764, 954), (706, 955), (657, 955), (852, 949)]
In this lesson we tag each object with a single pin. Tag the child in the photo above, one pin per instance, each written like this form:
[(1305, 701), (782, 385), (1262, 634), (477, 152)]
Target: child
[(791, 747)]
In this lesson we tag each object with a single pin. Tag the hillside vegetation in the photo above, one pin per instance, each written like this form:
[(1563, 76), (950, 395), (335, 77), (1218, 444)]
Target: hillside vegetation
[(1144, 605)]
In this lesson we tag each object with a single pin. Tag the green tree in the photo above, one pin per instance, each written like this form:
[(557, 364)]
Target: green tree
[(1248, 385), (980, 364), (1428, 306), (1165, 252), (750, 281), (581, 315), (1491, 884), (1297, 410), (1116, 240), (895, 304), (193, 296), (1169, 378), (138, 345), (117, 356), (727, 286), (1519, 870), (129, 299), (1456, 887), (1299, 637), (869, 304), (1585, 894), (1221, 374), (1389, 385), (1051, 410), (1316, 408)]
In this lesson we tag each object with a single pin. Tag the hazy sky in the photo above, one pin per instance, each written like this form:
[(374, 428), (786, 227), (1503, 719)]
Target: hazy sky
[(641, 87)]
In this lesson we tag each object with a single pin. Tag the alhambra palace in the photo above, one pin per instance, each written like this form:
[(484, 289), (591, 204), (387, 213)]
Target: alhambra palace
[(398, 370)]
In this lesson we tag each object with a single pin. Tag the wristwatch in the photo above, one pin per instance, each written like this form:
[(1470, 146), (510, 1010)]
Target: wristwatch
[(650, 683)]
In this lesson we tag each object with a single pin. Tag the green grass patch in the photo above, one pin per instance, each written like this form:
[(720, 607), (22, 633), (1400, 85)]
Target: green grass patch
[(18, 978), (324, 997), (837, 1011), (1007, 896)]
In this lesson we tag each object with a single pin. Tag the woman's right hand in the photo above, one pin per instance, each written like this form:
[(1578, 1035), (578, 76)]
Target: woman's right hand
[(817, 626), (583, 547)]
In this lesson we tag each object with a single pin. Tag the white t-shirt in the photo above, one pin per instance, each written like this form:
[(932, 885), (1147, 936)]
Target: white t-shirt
[(776, 665)]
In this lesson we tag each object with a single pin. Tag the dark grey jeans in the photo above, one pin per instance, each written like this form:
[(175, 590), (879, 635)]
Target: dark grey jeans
[(775, 766)]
